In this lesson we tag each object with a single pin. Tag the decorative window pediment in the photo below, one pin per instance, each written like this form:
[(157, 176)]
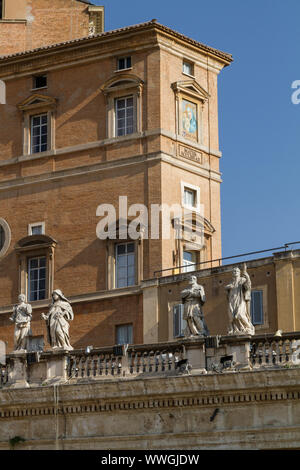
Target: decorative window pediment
[(191, 88), (37, 101), (35, 242), (38, 123), (36, 264), (190, 101), (124, 104), (123, 81)]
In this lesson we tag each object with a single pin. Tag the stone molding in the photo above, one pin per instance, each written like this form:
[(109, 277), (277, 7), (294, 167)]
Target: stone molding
[(112, 141), (89, 46), (88, 169), (166, 401)]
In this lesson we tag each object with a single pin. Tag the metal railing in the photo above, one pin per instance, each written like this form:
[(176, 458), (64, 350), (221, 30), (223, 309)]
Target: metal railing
[(218, 261)]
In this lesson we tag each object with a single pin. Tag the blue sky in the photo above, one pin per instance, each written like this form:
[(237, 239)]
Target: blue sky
[(259, 125)]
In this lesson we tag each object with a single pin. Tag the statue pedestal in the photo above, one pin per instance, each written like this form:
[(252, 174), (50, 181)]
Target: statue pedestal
[(56, 367), (195, 354), (17, 375), (239, 347)]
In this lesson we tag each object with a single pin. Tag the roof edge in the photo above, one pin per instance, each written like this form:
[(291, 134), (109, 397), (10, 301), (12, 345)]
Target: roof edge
[(223, 56)]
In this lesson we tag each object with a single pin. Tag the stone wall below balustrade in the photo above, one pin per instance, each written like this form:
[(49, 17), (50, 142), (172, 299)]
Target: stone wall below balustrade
[(141, 399)]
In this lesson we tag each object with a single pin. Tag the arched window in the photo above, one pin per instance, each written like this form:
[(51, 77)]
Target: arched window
[(124, 104)]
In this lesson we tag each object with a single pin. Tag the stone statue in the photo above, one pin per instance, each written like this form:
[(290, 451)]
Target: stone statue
[(193, 297), (239, 297), (57, 321), (22, 315)]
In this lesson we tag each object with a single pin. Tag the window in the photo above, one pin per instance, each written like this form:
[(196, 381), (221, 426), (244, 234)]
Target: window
[(188, 68), (37, 278), (36, 266), (124, 105), (36, 229), (5, 237), (189, 261), (39, 133), (39, 81), (257, 314), (179, 324), (125, 265), (124, 334), (124, 116), (190, 196), (124, 63)]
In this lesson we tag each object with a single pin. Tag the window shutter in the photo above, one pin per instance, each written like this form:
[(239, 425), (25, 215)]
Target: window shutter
[(257, 316), (179, 324)]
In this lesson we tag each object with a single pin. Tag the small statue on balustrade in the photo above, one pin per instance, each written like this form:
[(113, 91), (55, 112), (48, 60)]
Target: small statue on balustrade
[(57, 321), (193, 298), (239, 298), (22, 315)]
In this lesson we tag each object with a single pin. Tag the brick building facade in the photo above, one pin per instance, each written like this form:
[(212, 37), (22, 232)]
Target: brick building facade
[(66, 148)]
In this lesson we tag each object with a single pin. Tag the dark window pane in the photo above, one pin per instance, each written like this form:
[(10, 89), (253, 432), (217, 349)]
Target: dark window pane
[(36, 120), (128, 62), (40, 81), (121, 64), (2, 237), (121, 249)]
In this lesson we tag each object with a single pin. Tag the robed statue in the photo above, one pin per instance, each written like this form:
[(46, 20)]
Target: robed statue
[(57, 321), (239, 298), (22, 315), (193, 298)]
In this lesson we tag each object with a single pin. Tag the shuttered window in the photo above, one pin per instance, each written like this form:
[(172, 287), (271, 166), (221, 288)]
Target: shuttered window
[(257, 314), (179, 324)]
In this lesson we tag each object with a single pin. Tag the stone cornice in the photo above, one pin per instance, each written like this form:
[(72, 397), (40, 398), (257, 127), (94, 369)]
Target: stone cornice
[(83, 48), (108, 142), (138, 394), (88, 297)]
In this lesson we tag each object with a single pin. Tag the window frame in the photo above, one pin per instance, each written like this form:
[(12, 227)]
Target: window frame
[(182, 322), (31, 136), (126, 243), (123, 326), (28, 288), (125, 58), (191, 264), (33, 246), (120, 87), (35, 77), (38, 104), (190, 63), (36, 224), (256, 291), (196, 190), (133, 115)]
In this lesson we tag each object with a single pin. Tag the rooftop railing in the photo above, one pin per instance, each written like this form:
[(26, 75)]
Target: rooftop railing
[(219, 261)]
